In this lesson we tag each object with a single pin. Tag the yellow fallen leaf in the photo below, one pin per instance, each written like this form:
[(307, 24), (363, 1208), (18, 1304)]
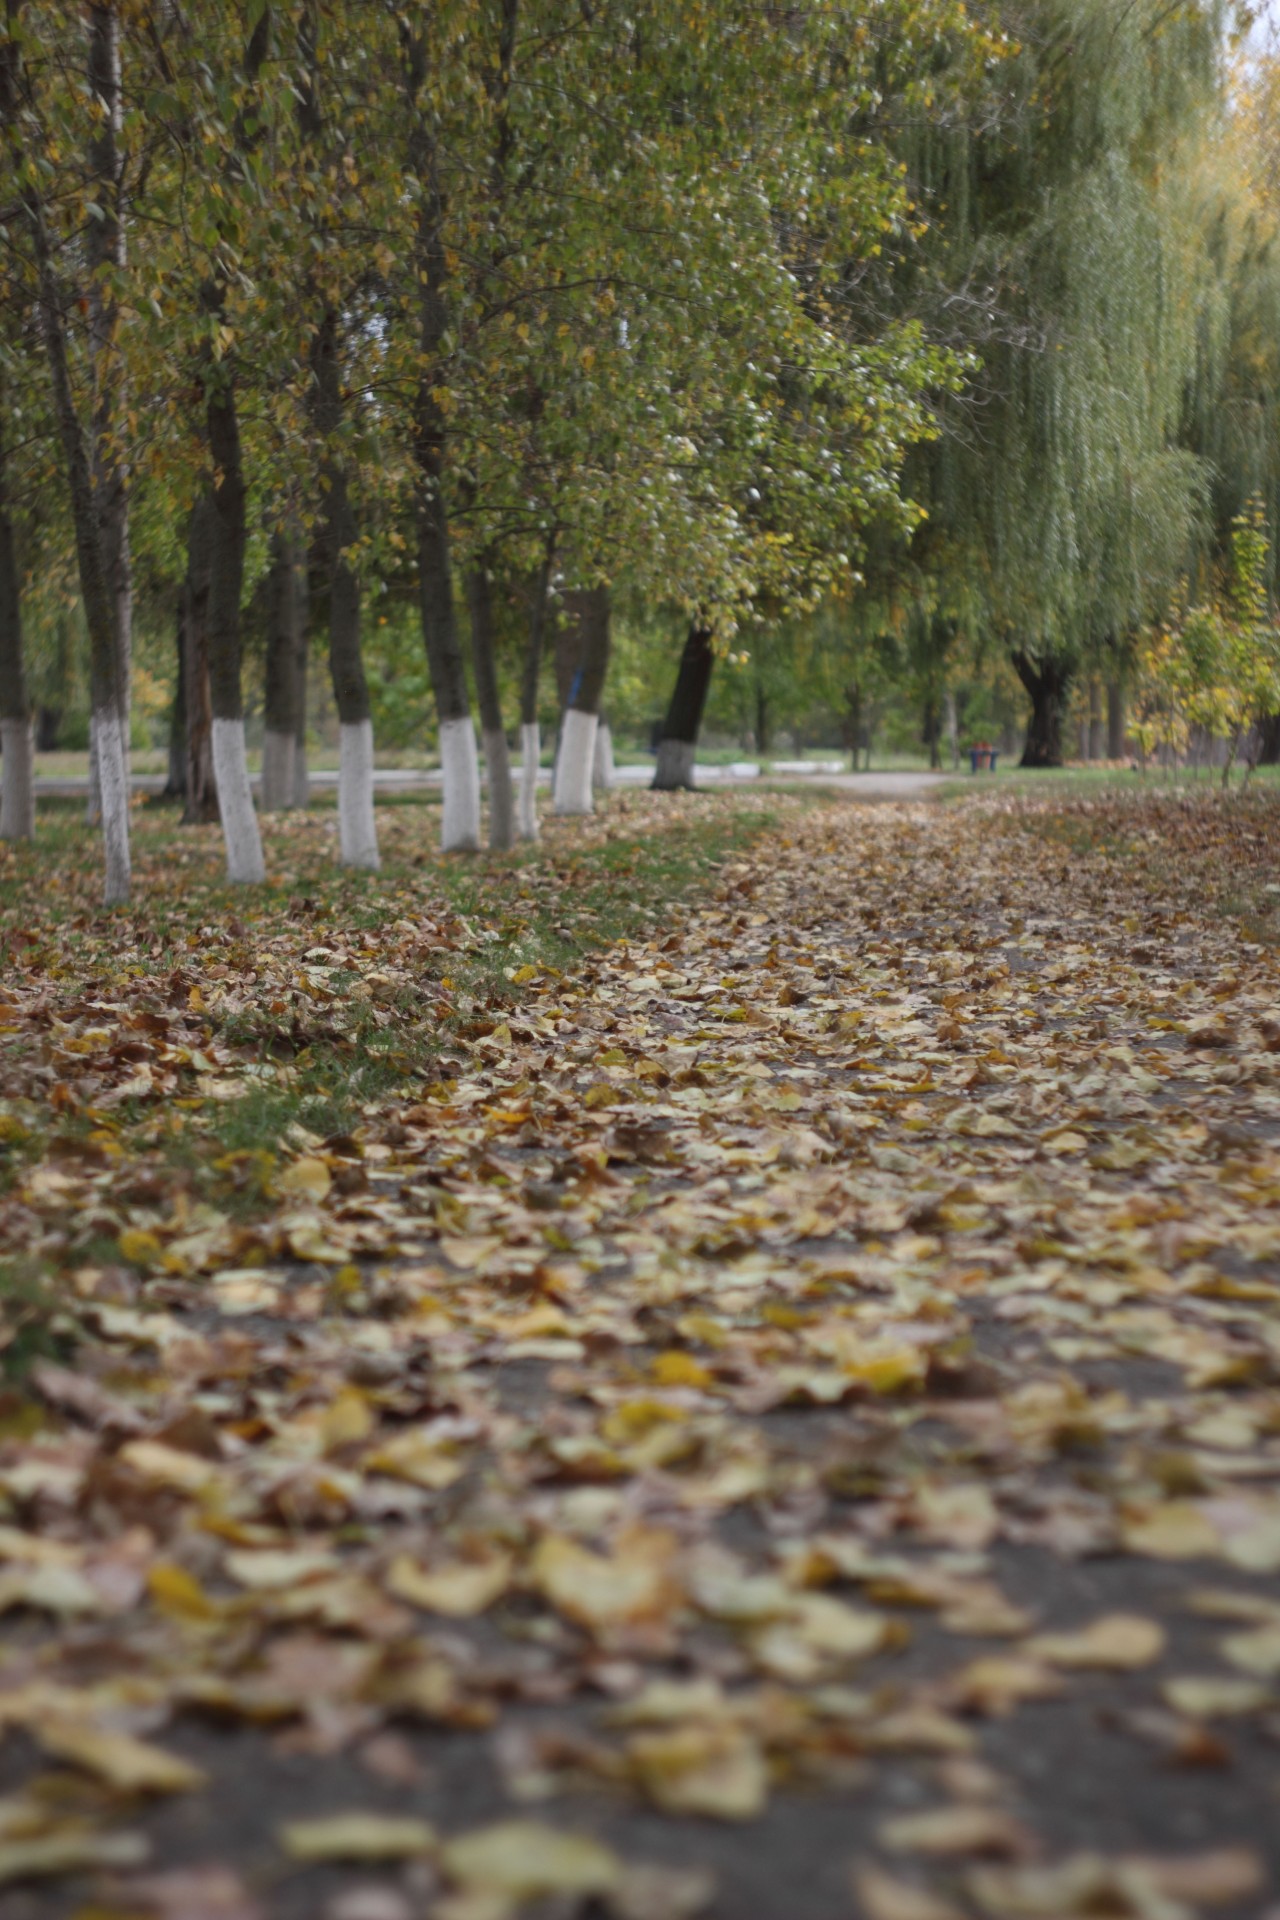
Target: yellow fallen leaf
[(882, 1897), (1175, 1531), (634, 1583), (1118, 1641), (944, 1831), (1214, 1696), (1218, 1878), (1257, 1652), (677, 1369), (997, 1684), (133, 1766), (523, 1860), (347, 1420), (460, 1588), (268, 1567), (357, 1836), (169, 1466), (309, 1177), (716, 1771), (417, 1458), (143, 1249), (71, 1849), (963, 1515)]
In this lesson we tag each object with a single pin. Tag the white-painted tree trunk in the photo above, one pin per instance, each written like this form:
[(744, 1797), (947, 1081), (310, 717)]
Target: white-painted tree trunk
[(93, 805), (530, 755), (235, 805), (17, 790), (502, 813), (675, 764), (602, 763), (357, 830), (460, 764), (572, 793), (113, 786), (276, 792)]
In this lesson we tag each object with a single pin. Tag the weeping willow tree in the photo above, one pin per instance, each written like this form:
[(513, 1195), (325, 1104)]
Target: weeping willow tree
[(1065, 245)]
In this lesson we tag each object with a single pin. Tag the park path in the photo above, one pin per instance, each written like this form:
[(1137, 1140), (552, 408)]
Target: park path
[(787, 1428)]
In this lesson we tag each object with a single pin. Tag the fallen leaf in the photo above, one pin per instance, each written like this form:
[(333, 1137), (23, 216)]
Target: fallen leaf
[(523, 1860), (1118, 1641), (357, 1837)]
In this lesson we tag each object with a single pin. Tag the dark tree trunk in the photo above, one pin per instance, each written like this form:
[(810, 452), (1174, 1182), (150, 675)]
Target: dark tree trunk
[(175, 786), (1047, 682), (105, 256), (1269, 741), (532, 667), (683, 722), (306, 601), (1116, 728), (337, 533), (17, 788), (931, 731), (1096, 734), (502, 825), (280, 691), (227, 541), (201, 793), (762, 719), (48, 729), (586, 650)]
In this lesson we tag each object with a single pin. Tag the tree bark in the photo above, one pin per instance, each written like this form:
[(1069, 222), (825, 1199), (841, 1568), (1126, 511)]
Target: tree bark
[(589, 614), (679, 739), (358, 833), (175, 786), (1047, 682), (1269, 741), (301, 784), (952, 726), (762, 720), (530, 735), (17, 766), (106, 258), (229, 535), (502, 826), (201, 792), (1116, 728), (1097, 741), (280, 692)]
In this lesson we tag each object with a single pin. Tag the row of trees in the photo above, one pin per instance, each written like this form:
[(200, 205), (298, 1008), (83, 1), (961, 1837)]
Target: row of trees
[(488, 297), (931, 330)]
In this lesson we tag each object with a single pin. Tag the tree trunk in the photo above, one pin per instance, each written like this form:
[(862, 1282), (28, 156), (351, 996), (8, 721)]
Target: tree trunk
[(530, 736), (590, 618), (1097, 739), (17, 765), (1047, 683), (952, 726), (762, 719), (228, 538), (602, 762), (358, 833), (502, 826), (202, 795), (107, 721), (280, 693), (1269, 741), (678, 743), (1116, 728), (175, 786), (301, 784), (931, 731)]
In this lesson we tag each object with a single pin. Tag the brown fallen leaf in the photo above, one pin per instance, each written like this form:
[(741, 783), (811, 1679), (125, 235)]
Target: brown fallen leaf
[(634, 1583), (459, 1588)]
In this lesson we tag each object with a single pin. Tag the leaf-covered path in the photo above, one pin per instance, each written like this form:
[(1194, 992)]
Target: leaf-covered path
[(794, 1409)]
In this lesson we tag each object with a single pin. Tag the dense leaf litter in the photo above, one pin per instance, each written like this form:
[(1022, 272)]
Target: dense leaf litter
[(786, 1424)]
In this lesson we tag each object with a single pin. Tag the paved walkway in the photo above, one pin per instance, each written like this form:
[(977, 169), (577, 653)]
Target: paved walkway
[(834, 775)]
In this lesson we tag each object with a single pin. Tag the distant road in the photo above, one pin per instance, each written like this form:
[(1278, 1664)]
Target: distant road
[(834, 774)]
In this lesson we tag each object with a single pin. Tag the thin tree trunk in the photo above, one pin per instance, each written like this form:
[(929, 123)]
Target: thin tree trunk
[(680, 729), (228, 539), (1047, 682), (201, 791), (280, 691), (175, 786), (602, 762), (502, 826), (1097, 740), (301, 784), (17, 764), (1116, 728), (459, 762), (589, 611), (358, 833), (952, 727), (530, 736), (762, 720)]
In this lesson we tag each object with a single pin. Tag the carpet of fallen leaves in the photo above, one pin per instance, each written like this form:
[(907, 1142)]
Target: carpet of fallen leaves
[(786, 1426)]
